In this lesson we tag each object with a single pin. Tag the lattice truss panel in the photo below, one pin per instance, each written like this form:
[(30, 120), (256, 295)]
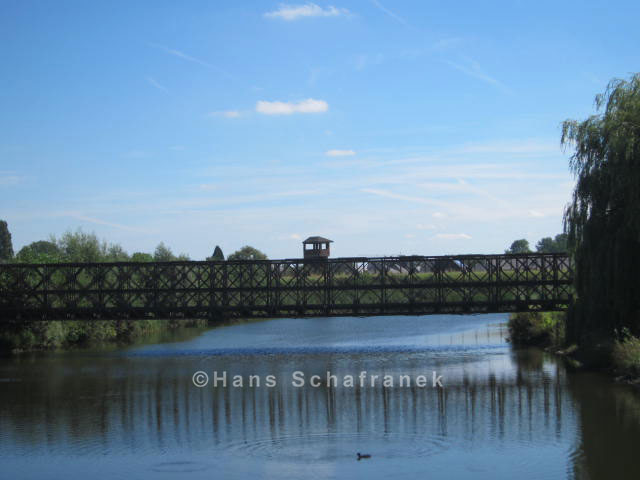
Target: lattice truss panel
[(289, 287)]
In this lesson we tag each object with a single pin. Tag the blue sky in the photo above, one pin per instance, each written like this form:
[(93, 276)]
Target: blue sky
[(411, 127)]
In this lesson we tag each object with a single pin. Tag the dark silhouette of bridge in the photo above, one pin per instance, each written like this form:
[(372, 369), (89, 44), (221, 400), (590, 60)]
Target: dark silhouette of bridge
[(405, 285)]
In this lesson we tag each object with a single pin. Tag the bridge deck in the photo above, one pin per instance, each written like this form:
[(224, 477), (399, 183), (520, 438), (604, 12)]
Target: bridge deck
[(285, 288)]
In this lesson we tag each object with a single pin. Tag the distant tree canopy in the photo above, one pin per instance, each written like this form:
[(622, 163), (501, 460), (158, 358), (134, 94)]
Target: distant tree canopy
[(519, 246), (247, 253), (603, 219), (217, 255), (163, 253), (141, 257), (42, 251), (6, 247), (553, 245)]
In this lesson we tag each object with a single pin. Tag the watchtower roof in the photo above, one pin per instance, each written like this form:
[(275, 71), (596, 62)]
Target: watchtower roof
[(317, 240)]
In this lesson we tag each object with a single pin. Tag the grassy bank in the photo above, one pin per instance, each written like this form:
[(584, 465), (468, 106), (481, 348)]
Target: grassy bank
[(18, 337)]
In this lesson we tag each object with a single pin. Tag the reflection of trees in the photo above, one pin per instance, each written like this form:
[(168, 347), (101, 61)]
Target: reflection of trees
[(609, 418), (154, 402)]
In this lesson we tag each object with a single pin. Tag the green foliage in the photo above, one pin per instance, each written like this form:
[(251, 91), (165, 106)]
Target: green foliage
[(141, 257), (519, 246), (603, 219), (626, 356), (553, 245), (115, 253), (6, 247), (217, 255), (537, 328), (41, 251), (163, 253), (81, 247), (65, 334), (247, 253)]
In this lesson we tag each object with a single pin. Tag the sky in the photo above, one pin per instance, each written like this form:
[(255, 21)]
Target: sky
[(404, 127)]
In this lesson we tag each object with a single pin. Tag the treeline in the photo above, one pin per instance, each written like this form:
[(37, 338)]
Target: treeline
[(87, 247), (557, 244), (24, 335)]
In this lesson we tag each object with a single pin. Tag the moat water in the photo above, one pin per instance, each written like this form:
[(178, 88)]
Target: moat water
[(135, 413)]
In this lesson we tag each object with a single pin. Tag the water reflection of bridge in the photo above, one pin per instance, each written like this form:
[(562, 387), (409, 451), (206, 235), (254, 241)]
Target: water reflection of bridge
[(285, 288)]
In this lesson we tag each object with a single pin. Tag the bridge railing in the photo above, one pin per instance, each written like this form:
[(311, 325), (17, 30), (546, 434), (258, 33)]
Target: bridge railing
[(296, 287)]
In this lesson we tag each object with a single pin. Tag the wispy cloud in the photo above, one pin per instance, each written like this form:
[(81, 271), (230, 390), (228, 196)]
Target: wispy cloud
[(287, 108), (294, 12), (406, 198), (8, 179), (388, 12), (98, 221), (225, 113), (473, 69), (339, 153), (363, 61), (536, 213), (154, 83), (453, 236), (189, 58), (422, 226), (526, 146)]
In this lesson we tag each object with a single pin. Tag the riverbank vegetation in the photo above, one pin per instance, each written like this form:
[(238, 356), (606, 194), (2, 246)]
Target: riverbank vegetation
[(541, 329), (602, 223), (86, 247)]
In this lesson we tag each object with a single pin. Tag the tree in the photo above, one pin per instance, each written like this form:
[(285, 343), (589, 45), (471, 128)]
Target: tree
[(519, 246), (81, 247), (163, 253), (6, 247), (247, 253), (141, 257), (553, 245), (41, 251), (561, 243), (545, 245), (603, 219), (217, 255), (115, 253)]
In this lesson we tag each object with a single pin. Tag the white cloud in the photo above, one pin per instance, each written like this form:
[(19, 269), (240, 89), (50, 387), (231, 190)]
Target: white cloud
[(453, 236), (309, 105), (294, 12), (409, 235), (339, 153), (225, 113), (438, 215), (295, 236)]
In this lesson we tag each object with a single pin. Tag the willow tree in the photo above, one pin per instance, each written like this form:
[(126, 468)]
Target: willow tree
[(603, 218)]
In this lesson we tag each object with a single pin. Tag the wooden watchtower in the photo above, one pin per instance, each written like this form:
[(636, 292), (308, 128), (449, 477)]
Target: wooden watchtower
[(316, 248)]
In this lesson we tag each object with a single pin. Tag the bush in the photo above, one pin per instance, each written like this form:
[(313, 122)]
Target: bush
[(537, 328), (626, 356)]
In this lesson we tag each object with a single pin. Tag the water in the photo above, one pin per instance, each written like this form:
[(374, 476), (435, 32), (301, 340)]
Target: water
[(135, 413)]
